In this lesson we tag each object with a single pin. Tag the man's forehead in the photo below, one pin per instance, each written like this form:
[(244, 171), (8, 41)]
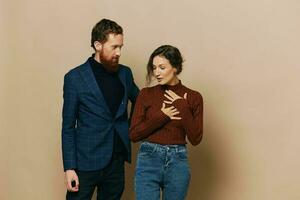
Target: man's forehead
[(113, 37)]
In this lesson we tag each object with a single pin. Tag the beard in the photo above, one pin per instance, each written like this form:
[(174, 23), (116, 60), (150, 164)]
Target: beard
[(110, 64)]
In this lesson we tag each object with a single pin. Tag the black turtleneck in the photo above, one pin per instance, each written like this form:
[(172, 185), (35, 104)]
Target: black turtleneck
[(109, 84), (113, 93)]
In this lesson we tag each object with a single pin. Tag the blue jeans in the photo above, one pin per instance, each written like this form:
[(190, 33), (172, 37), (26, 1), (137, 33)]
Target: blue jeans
[(162, 168)]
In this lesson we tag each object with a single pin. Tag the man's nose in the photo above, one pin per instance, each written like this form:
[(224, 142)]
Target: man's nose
[(118, 52)]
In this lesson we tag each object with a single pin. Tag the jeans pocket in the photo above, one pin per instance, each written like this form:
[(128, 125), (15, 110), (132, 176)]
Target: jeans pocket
[(182, 155), (146, 150)]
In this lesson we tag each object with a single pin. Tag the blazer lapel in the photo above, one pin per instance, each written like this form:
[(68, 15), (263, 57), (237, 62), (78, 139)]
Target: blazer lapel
[(123, 105), (90, 80)]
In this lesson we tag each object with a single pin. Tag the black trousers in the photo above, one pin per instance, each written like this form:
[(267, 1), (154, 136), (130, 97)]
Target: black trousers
[(109, 182)]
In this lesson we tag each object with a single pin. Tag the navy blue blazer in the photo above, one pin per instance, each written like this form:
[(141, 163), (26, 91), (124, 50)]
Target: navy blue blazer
[(88, 126)]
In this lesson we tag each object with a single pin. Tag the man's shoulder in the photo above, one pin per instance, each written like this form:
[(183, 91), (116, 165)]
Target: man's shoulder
[(73, 71), (126, 71), (125, 68)]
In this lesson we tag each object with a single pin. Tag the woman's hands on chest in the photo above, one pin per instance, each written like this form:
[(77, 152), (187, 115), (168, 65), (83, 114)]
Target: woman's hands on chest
[(171, 111)]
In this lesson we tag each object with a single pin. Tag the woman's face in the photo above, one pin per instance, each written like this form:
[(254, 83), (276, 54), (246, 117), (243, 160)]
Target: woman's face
[(163, 71)]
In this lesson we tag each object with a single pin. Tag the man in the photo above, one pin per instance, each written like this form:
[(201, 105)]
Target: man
[(95, 140)]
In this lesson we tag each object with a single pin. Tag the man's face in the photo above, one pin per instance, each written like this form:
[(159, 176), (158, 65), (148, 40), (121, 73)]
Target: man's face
[(110, 51)]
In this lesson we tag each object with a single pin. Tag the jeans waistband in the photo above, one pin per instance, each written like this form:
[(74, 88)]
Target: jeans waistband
[(164, 147)]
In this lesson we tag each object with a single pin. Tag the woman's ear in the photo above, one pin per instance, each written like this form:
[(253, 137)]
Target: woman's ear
[(175, 70)]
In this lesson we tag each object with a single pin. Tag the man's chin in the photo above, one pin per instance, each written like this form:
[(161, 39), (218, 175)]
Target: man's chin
[(113, 67)]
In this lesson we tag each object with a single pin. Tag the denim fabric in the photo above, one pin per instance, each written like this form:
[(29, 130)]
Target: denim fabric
[(162, 168)]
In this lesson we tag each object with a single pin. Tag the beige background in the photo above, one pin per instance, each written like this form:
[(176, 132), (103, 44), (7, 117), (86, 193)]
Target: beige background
[(243, 56)]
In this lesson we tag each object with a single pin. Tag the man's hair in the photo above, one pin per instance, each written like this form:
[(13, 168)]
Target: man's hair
[(102, 29), (171, 53)]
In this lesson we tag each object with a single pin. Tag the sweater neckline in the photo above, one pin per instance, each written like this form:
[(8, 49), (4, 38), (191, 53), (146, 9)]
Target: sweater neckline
[(172, 87)]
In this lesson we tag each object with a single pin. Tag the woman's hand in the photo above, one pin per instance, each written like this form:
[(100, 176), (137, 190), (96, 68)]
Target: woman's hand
[(170, 111), (172, 96)]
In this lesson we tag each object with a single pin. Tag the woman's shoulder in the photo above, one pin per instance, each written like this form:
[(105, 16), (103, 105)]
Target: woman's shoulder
[(193, 94), (150, 88)]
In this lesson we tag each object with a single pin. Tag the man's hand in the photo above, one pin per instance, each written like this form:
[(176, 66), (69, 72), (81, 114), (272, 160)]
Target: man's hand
[(70, 175)]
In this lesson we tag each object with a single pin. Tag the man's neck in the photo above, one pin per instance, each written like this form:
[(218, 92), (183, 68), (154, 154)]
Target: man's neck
[(97, 57)]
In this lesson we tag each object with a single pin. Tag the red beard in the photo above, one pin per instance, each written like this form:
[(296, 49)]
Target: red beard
[(111, 65)]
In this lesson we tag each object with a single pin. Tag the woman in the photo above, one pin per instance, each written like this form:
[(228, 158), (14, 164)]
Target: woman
[(163, 116)]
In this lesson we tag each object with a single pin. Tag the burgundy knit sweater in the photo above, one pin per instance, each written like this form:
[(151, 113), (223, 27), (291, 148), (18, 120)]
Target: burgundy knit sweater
[(149, 123)]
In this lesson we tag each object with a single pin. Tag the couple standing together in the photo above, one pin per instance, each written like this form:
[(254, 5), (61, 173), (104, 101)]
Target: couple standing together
[(95, 130)]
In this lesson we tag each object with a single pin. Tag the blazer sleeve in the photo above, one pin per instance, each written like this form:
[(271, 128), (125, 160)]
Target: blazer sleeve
[(132, 93), (133, 88), (69, 118)]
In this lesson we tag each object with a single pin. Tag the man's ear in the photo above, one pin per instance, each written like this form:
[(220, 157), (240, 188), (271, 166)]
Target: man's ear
[(98, 45)]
